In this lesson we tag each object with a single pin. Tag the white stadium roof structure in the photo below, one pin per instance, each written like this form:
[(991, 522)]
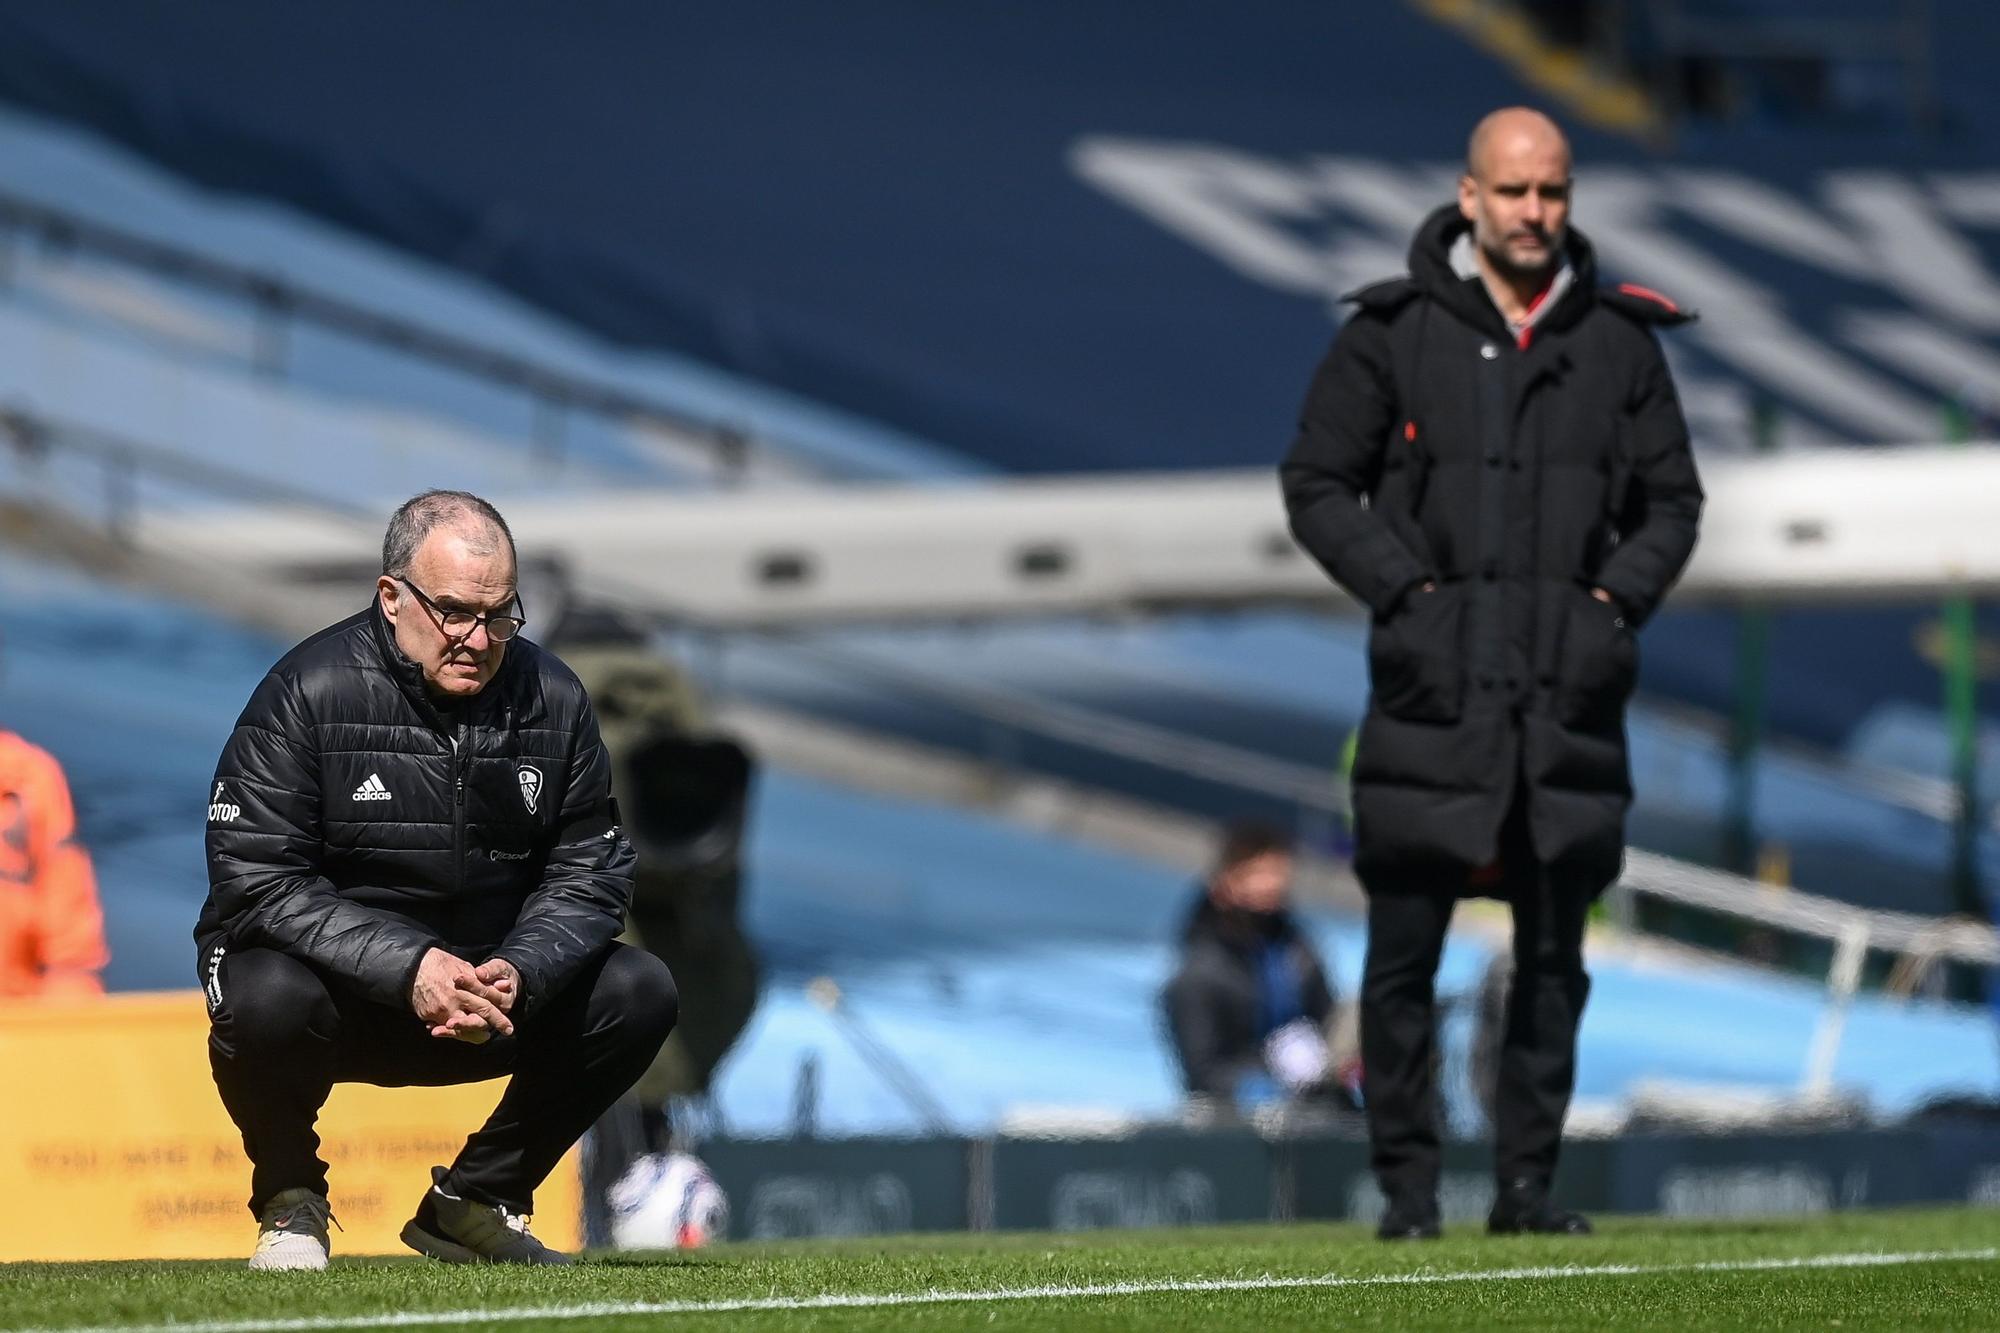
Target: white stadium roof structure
[(1821, 526)]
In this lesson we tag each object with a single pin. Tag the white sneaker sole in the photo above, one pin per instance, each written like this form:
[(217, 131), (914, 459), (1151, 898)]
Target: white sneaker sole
[(303, 1257)]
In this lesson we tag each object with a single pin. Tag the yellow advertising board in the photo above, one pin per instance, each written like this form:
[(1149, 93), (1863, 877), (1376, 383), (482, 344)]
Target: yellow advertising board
[(114, 1144)]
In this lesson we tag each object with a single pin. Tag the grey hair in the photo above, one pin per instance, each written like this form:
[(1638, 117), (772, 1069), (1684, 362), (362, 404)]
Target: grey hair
[(420, 515)]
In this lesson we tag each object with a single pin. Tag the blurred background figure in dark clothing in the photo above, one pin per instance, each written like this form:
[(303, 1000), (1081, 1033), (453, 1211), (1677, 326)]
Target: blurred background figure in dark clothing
[(684, 795), (1250, 1005)]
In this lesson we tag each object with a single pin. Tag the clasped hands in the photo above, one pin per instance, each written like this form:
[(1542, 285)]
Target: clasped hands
[(460, 1002)]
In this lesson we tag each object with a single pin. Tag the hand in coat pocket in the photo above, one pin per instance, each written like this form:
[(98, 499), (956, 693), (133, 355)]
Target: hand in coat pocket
[(1415, 658), (1600, 660)]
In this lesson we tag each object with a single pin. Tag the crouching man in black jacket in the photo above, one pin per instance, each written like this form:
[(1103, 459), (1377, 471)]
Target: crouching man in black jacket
[(415, 877)]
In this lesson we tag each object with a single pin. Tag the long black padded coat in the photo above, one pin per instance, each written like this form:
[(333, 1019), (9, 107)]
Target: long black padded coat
[(354, 824), (1432, 449)]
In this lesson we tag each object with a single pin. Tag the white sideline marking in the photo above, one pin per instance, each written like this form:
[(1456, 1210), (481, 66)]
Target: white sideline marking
[(878, 1300)]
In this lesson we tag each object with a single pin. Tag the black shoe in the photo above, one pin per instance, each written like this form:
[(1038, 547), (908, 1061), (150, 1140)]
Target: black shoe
[(460, 1231), (1410, 1219), (1524, 1208)]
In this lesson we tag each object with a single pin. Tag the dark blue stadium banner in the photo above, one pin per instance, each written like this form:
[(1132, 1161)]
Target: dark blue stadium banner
[(1171, 1177), (1152, 1179), (1964, 1160), (1331, 1181), (1082, 236), (779, 1189), (1752, 1175)]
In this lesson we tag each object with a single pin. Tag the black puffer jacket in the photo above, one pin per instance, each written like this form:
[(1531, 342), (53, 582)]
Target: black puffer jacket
[(354, 824), (1433, 449)]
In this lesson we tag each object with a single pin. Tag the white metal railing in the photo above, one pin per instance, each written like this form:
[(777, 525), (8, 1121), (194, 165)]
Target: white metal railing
[(1919, 943)]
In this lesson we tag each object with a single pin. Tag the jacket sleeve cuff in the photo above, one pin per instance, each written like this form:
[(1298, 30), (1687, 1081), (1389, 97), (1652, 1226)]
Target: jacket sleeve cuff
[(1395, 600), (1634, 607), (521, 980), (406, 988)]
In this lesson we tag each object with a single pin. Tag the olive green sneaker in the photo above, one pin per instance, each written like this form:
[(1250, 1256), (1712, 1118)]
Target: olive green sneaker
[(459, 1231), (291, 1232)]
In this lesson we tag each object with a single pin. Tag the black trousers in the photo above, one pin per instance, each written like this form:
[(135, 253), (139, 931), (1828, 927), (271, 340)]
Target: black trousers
[(1407, 920), (283, 1034)]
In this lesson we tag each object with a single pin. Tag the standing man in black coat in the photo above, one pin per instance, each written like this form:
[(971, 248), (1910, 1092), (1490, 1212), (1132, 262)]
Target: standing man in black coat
[(415, 877), (1493, 461)]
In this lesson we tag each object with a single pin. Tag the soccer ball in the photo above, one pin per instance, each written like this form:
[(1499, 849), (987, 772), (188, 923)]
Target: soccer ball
[(667, 1201)]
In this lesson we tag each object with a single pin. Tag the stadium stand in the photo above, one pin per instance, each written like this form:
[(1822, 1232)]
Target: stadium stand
[(960, 940), (1013, 969), (1022, 326), (1274, 684), (1811, 301)]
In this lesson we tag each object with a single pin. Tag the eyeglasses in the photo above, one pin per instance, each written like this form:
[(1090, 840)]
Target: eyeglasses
[(460, 624)]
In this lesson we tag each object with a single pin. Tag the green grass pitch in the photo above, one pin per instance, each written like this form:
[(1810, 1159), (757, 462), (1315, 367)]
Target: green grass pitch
[(1905, 1269)]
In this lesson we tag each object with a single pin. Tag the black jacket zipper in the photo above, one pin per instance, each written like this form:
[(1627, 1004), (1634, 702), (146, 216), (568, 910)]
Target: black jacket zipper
[(462, 743)]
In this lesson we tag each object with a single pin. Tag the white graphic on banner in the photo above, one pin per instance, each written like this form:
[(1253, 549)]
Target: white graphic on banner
[(1318, 227)]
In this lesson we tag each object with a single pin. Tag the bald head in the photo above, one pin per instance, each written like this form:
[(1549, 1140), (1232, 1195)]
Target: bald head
[(1515, 193), (1511, 132)]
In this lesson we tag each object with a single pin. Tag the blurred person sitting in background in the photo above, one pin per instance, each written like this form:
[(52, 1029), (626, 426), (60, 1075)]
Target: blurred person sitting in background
[(1248, 1006), (684, 791), (51, 927)]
